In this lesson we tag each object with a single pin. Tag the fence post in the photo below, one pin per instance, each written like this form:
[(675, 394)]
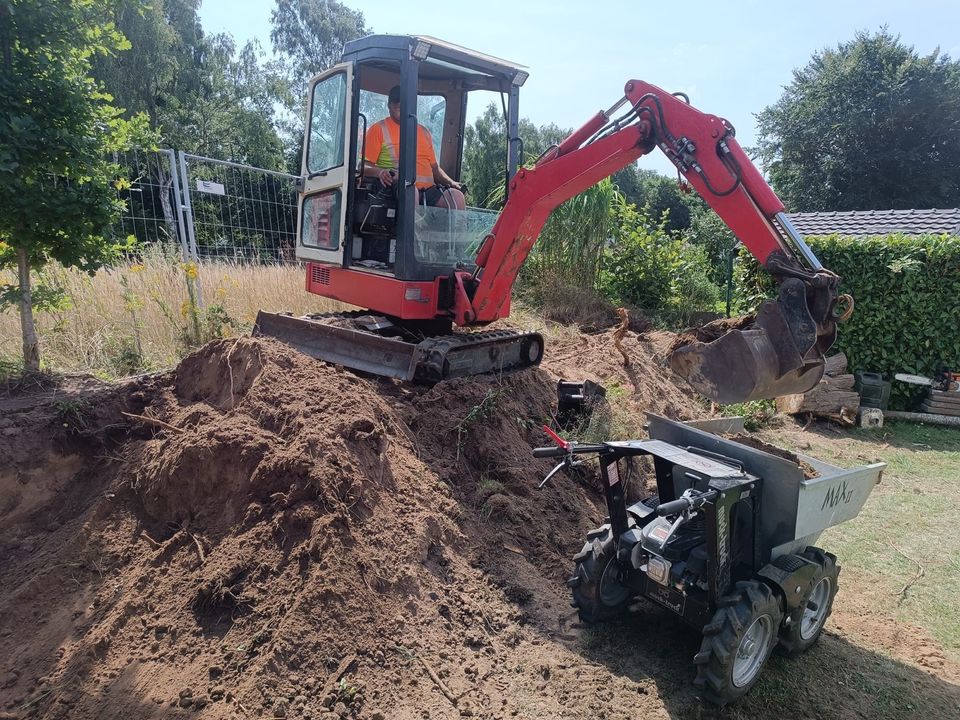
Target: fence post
[(178, 202), (191, 231)]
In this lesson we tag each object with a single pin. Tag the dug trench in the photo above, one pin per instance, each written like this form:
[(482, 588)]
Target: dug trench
[(257, 534)]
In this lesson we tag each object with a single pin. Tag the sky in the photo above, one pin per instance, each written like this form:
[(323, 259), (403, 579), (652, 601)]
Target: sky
[(733, 59)]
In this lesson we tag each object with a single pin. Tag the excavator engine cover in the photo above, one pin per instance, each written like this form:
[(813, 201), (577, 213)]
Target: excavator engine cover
[(780, 354)]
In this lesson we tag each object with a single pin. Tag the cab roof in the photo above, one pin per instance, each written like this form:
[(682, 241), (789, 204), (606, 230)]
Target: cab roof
[(439, 59)]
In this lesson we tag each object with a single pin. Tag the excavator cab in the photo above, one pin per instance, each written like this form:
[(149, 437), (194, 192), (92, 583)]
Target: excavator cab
[(374, 246)]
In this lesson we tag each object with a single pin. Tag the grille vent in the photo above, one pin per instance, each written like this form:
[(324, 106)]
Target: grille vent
[(320, 275)]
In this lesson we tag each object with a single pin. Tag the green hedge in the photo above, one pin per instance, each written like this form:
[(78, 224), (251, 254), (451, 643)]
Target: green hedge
[(907, 294)]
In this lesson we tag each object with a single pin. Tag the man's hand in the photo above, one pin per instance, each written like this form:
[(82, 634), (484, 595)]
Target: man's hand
[(386, 177)]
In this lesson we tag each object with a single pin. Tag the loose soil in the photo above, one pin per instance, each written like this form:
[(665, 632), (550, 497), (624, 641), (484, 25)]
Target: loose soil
[(258, 534), (808, 470), (711, 331)]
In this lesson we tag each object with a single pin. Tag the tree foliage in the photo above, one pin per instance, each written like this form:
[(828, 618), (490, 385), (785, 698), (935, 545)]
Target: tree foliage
[(57, 200), (656, 194), (868, 125), (485, 152), (308, 36), (647, 266), (202, 93), (311, 34)]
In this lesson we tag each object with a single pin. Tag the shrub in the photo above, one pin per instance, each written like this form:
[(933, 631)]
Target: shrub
[(907, 294), (650, 268)]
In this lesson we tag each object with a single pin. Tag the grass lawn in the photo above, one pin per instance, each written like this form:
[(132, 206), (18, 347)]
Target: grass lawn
[(903, 551)]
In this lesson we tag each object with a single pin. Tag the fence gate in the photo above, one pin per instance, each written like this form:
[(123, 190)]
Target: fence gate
[(238, 212), (149, 187)]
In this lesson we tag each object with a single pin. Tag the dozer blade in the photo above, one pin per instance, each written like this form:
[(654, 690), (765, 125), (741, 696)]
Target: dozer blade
[(365, 351), (335, 340), (778, 355)]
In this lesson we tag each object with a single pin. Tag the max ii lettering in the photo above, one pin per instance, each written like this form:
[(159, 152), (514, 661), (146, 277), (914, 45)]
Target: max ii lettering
[(836, 495)]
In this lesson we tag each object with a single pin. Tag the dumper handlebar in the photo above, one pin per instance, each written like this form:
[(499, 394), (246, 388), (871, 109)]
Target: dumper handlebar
[(691, 500), (571, 449)]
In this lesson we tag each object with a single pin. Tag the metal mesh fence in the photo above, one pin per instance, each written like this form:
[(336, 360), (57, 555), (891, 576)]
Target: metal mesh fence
[(148, 187), (238, 212), (209, 208)]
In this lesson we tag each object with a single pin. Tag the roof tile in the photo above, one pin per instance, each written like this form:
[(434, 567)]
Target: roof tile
[(862, 223)]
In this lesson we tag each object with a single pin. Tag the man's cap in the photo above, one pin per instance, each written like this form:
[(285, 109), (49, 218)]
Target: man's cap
[(394, 97)]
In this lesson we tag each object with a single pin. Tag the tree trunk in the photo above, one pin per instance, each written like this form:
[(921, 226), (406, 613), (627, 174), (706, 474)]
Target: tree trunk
[(31, 347)]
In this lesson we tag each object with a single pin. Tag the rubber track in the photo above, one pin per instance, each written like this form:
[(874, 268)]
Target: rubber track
[(430, 366)]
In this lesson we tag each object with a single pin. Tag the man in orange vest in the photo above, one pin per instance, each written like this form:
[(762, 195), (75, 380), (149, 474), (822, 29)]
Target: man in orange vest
[(382, 157)]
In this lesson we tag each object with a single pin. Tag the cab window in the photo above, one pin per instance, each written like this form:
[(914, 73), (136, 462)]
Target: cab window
[(327, 115), (431, 110)]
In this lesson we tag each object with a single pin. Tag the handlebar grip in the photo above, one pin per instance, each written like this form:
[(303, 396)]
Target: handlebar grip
[(673, 507), (544, 452)]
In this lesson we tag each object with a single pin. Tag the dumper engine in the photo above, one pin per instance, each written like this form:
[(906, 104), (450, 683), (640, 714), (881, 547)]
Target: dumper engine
[(674, 557)]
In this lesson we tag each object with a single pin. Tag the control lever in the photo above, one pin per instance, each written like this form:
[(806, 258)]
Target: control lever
[(690, 500), (567, 462), (684, 507)]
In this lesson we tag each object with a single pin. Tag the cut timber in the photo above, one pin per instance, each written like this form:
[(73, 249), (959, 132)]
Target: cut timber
[(944, 400), (833, 397), (949, 395), (939, 408), (830, 397), (923, 418), (835, 365)]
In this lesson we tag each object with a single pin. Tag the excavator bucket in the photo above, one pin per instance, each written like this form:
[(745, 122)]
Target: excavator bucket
[(777, 354)]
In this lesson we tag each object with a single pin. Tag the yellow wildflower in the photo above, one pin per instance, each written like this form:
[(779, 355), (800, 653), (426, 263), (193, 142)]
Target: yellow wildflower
[(137, 267), (190, 270)]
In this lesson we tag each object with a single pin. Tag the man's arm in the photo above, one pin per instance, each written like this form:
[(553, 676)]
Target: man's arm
[(441, 178), (384, 175)]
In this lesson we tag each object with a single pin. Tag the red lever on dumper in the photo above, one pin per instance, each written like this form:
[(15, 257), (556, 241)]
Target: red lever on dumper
[(556, 438)]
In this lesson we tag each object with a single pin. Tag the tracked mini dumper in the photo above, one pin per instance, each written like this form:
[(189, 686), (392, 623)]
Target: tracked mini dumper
[(727, 544)]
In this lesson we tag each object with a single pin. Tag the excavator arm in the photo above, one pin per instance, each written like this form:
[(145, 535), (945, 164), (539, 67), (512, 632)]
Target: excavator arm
[(782, 351)]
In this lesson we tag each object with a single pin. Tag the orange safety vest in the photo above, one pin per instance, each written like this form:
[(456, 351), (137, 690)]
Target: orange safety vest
[(383, 149)]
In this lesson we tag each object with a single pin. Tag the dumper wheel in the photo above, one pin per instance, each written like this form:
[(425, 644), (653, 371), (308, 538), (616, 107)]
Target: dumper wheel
[(806, 623), (598, 593), (737, 642)]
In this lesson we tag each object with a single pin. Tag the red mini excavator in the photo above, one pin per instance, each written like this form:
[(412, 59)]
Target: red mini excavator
[(416, 271)]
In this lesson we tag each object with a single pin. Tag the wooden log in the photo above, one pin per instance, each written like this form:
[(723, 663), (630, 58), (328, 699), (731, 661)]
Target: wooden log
[(940, 409), (949, 394), (942, 400), (839, 382), (821, 400), (835, 364), (923, 418)]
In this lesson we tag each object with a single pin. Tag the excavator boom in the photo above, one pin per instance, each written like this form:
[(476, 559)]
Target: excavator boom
[(782, 351)]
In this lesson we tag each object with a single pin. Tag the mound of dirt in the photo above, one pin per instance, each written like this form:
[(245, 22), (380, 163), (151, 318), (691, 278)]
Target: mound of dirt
[(260, 532), (262, 535)]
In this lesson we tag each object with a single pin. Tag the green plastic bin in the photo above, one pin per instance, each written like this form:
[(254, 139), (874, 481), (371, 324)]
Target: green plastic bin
[(874, 390)]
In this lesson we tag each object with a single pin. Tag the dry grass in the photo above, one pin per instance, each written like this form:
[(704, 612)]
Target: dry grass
[(136, 317), (146, 304)]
